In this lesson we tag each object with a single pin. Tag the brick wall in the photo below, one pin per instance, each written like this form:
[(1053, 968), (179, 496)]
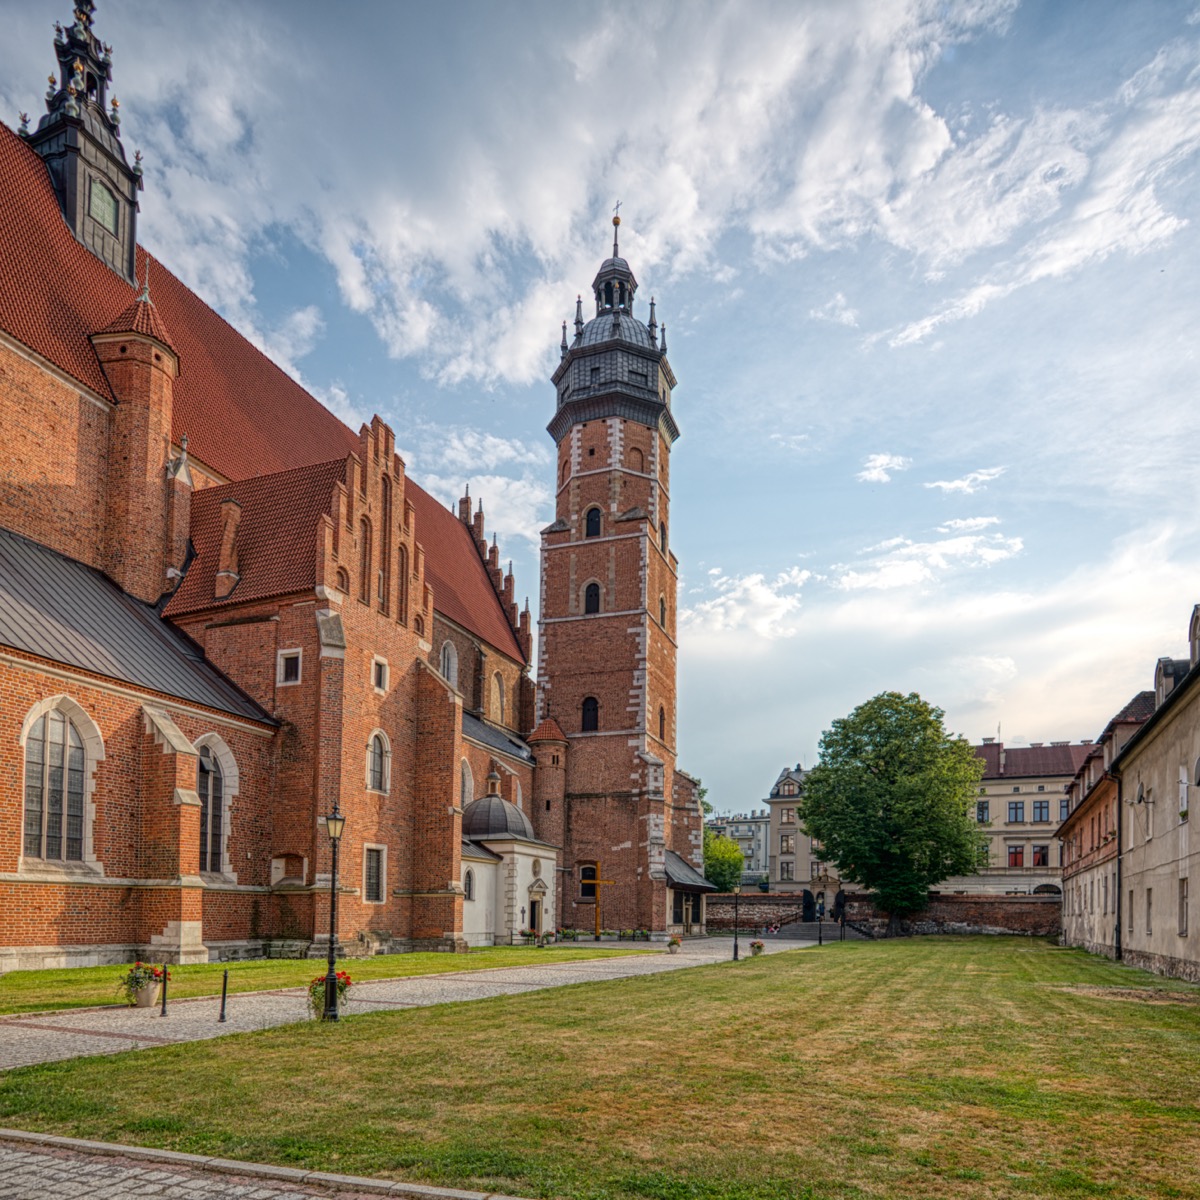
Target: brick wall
[(1035, 916)]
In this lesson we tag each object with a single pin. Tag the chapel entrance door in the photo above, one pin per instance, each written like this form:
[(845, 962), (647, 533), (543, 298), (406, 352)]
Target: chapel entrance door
[(535, 916)]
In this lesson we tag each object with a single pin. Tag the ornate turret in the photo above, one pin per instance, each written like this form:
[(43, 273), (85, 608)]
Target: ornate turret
[(79, 137), (616, 366)]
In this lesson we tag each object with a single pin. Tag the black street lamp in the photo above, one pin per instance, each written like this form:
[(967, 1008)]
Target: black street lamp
[(335, 823), (737, 891)]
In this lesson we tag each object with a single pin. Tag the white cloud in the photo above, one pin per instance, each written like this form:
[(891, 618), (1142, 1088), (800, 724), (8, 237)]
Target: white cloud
[(764, 609), (467, 450), (970, 483), (900, 563), (791, 441), (878, 467), (837, 310), (513, 508), (967, 524)]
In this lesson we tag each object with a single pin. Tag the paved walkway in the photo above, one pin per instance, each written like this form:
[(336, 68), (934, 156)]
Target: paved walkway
[(46, 1037), (67, 1169)]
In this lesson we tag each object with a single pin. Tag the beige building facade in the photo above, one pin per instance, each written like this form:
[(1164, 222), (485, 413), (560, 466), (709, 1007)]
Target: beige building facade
[(796, 861), (1156, 773)]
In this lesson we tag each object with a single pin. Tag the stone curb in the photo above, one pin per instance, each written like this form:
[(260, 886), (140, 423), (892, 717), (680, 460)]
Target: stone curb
[(261, 1171)]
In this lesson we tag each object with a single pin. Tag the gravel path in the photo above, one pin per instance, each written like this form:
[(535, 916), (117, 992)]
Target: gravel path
[(46, 1037)]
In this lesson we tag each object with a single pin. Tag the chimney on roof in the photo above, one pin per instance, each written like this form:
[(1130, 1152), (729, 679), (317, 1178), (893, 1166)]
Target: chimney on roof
[(227, 556), (1037, 743), (988, 741), (1054, 743)]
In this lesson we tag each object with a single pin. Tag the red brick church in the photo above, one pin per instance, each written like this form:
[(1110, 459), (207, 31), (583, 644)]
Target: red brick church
[(225, 615)]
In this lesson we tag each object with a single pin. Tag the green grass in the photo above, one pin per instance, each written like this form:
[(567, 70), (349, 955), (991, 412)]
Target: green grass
[(84, 987), (922, 1069)]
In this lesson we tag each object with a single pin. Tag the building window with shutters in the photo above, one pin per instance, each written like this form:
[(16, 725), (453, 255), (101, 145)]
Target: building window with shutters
[(374, 874)]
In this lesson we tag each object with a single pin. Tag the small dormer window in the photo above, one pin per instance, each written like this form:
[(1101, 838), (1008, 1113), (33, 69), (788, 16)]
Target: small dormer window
[(102, 206)]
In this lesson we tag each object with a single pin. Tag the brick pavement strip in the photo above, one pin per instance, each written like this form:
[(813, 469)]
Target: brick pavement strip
[(36, 1166)]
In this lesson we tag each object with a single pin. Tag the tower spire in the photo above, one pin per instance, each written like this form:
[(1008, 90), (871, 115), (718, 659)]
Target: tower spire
[(616, 226)]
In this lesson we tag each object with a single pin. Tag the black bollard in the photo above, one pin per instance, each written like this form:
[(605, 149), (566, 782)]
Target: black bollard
[(224, 993), (163, 1010)]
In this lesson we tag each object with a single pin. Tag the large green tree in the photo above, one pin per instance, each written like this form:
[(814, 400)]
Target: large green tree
[(891, 798), (722, 860)]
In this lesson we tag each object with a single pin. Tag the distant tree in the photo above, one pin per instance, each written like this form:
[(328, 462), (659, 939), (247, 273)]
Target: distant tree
[(707, 808), (722, 860), (890, 801)]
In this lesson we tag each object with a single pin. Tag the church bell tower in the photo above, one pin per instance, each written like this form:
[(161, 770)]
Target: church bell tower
[(80, 139), (606, 671)]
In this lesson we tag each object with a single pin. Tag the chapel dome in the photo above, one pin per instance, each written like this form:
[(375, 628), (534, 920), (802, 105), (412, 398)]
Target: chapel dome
[(495, 817)]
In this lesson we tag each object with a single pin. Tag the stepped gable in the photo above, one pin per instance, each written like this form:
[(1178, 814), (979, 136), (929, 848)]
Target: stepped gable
[(230, 399), (276, 539), (462, 590)]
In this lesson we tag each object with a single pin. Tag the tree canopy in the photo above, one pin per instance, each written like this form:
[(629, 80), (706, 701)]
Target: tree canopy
[(890, 801), (722, 860)]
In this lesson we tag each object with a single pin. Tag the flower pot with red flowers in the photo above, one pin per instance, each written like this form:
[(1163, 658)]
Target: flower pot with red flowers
[(141, 983), (316, 993)]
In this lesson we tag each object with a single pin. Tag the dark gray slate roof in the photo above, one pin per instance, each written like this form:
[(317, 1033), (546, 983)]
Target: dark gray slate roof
[(56, 608), (682, 874), (489, 735), (628, 329), (473, 850), (495, 817)]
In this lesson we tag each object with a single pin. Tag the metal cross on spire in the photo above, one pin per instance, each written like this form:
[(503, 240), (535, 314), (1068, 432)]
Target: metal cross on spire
[(616, 222)]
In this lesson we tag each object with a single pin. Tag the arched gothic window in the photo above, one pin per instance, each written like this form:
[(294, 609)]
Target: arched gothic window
[(378, 763), (592, 526), (466, 784), (402, 586), (385, 543), (587, 881), (591, 715), (662, 536), (498, 696), (662, 724), (566, 470), (469, 885), (364, 560), (662, 611), (450, 663), (55, 782), (591, 598), (637, 460), (210, 783)]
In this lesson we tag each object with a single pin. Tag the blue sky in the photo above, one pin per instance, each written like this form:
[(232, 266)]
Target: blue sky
[(926, 268)]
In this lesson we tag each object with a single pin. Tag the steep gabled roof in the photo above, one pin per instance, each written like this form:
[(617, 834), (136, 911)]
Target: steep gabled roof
[(276, 539), (462, 590), (243, 415)]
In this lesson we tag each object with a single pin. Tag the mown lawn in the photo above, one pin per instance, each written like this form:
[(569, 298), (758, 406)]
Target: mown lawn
[(925, 1068), (82, 987)]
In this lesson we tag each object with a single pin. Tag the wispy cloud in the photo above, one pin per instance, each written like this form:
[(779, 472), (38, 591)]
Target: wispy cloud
[(967, 524), (767, 608), (878, 468), (837, 310), (970, 483), (900, 563)]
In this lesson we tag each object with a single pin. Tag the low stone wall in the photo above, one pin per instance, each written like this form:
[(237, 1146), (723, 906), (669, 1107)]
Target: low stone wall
[(1033, 916)]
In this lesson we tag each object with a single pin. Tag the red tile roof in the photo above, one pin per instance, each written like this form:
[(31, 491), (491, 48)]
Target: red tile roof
[(276, 538), (244, 417), (548, 731), (1024, 761), (462, 590), (140, 317)]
